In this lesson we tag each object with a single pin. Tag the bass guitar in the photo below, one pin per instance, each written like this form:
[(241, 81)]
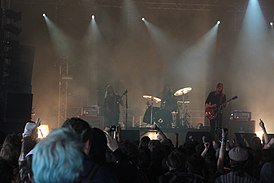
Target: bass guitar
[(211, 112)]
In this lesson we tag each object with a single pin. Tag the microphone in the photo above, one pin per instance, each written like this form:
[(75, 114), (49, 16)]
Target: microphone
[(125, 92)]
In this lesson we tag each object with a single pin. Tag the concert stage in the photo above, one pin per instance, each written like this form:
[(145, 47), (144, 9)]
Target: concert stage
[(235, 127)]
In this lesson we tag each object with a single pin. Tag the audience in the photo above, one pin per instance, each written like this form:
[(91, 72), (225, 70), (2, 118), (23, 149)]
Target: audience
[(58, 157), (238, 161), (78, 153), (95, 169), (10, 152)]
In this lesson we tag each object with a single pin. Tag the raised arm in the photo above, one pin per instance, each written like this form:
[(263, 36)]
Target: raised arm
[(220, 162), (160, 132), (261, 124)]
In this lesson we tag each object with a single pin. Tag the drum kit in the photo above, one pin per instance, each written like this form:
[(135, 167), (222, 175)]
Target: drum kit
[(164, 118)]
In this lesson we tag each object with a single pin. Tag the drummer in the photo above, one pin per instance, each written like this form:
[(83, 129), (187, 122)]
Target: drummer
[(168, 102)]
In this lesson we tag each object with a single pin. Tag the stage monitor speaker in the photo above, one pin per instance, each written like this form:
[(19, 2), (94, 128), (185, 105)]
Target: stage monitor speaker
[(130, 135), (236, 126), (241, 137), (197, 136), (94, 121)]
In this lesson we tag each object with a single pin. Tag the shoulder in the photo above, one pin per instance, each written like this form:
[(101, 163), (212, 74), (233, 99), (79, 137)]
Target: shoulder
[(211, 93)]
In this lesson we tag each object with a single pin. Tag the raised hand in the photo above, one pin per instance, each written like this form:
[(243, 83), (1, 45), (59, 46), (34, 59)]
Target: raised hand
[(30, 127), (261, 123), (111, 142)]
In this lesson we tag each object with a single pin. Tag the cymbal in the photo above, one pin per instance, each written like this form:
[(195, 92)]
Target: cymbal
[(152, 98), (182, 91)]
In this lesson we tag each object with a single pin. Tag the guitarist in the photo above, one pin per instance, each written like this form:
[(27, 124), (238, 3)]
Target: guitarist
[(214, 104)]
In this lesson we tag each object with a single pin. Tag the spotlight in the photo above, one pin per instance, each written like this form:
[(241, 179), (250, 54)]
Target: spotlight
[(93, 17), (218, 22), (44, 15), (143, 19), (271, 23)]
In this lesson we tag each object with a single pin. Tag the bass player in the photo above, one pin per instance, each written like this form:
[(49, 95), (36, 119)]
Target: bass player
[(214, 105)]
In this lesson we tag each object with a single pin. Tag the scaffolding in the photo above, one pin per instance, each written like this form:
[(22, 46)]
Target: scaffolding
[(64, 79)]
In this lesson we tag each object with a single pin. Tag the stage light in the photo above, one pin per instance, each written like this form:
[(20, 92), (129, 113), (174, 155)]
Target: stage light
[(152, 134), (260, 134), (218, 22), (93, 17), (44, 15), (143, 19), (271, 23), (43, 131)]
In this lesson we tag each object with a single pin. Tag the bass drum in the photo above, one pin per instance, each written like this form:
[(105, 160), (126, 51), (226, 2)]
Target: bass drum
[(147, 115), (163, 119)]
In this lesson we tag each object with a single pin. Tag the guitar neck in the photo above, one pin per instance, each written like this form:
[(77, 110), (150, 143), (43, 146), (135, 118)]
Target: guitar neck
[(233, 98)]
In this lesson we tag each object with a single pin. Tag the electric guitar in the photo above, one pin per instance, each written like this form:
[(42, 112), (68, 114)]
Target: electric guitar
[(211, 112)]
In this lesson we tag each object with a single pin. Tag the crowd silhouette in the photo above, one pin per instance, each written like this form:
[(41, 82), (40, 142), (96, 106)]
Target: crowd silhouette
[(79, 153)]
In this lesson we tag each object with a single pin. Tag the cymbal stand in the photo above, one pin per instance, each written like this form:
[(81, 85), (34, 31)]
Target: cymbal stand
[(151, 112), (184, 115)]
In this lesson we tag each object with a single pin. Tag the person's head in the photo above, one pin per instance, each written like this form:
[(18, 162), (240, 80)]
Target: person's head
[(144, 142), (176, 160), (220, 88), (98, 146), (154, 145), (195, 163), (11, 149), (266, 174), (130, 150), (109, 91), (238, 157), (58, 157), (83, 129), (256, 143)]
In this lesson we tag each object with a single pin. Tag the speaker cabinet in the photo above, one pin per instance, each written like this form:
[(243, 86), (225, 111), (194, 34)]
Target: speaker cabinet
[(15, 111), (94, 121), (19, 106), (236, 126), (130, 135)]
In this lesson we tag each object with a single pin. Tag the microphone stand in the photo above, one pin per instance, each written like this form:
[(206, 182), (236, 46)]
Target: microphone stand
[(125, 93), (126, 110)]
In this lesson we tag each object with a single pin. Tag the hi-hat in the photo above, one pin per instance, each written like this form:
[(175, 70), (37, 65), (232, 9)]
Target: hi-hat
[(182, 91), (152, 98)]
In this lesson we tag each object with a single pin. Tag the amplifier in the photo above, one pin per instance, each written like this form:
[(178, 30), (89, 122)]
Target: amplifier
[(92, 110), (241, 116)]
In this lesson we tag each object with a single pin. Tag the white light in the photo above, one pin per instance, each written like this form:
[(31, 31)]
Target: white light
[(143, 19), (44, 15), (260, 134), (218, 22), (43, 131), (152, 135), (271, 23), (93, 17)]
